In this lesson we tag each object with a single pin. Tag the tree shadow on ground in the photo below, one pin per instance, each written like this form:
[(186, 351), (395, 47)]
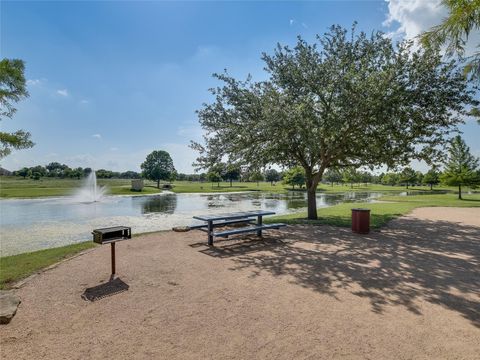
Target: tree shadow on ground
[(410, 260)]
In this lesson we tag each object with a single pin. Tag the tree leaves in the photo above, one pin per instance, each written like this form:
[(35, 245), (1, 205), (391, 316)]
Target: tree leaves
[(12, 89)]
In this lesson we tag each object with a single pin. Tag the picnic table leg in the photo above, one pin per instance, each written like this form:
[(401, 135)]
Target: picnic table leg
[(210, 231), (259, 223), (112, 250)]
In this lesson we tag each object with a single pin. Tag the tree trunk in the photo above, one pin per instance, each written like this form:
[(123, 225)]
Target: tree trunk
[(158, 184), (312, 203), (431, 186), (230, 182), (312, 180), (460, 192)]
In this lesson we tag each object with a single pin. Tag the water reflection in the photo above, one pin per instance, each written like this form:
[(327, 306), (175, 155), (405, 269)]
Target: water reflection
[(159, 204)]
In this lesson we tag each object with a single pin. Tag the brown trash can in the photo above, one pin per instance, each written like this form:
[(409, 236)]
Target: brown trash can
[(361, 221)]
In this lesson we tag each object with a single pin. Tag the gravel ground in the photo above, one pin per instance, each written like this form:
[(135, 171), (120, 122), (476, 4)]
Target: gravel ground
[(409, 291)]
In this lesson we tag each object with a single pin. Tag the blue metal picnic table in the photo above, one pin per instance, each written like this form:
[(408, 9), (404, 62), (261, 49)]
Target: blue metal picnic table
[(218, 220)]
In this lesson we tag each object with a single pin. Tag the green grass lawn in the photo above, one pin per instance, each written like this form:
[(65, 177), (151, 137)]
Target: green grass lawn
[(378, 187), (193, 187), (16, 187), (380, 213), (199, 187), (16, 267)]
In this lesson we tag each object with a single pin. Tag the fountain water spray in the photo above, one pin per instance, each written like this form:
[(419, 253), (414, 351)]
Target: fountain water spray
[(90, 191)]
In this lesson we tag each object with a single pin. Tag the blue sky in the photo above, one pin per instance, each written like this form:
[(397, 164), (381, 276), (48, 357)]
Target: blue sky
[(111, 81)]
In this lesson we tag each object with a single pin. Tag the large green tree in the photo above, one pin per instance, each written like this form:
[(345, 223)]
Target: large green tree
[(348, 100), (12, 89), (461, 166), (158, 166)]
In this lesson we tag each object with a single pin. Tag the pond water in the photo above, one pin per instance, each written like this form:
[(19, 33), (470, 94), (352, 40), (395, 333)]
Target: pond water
[(33, 224)]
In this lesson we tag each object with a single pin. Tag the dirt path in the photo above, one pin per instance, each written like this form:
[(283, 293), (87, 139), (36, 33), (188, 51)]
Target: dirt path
[(409, 291)]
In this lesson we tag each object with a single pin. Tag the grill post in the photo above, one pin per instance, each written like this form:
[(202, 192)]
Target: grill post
[(113, 257), (110, 236)]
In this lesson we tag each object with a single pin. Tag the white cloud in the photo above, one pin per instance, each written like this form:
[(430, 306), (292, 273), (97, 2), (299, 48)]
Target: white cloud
[(114, 149), (62, 92), (414, 16), (84, 101), (33, 82), (410, 18), (304, 25), (97, 136), (292, 21)]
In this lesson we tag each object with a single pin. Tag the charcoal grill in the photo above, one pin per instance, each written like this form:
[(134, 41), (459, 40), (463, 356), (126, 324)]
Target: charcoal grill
[(110, 236)]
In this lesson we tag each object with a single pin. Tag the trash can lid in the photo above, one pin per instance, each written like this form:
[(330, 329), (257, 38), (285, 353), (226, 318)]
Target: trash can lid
[(360, 209)]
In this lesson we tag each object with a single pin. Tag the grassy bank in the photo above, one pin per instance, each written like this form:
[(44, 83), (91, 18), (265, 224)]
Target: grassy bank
[(381, 213), (16, 187), (199, 187), (16, 267)]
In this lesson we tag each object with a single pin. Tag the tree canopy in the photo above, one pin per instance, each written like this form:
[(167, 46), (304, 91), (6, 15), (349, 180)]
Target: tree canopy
[(256, 176), (12, 89), (272, 176), (333, 176), (347, 100), (231, 173), (432, 177), (461, 166), (294, 176), (158, 166), (408, 176)]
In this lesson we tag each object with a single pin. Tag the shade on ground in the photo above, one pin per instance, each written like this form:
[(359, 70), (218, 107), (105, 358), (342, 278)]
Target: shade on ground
[(409, 291)]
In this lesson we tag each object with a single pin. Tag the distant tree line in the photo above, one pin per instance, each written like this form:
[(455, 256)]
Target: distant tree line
[(460, 168), (62, 171)]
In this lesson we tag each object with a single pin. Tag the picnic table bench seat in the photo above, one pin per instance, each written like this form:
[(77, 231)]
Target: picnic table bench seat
[(221, 223), (243, 230)]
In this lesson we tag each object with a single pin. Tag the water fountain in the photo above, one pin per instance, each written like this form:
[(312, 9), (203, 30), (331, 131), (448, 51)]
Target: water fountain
[(90, 192)]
